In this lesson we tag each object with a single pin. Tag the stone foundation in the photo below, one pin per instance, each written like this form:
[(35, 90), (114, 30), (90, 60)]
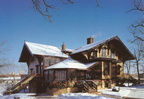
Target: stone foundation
[(56, 91)]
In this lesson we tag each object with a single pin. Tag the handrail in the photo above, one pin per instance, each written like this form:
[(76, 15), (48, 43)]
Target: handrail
[(13, 87), (85, 87), (93, 85), (22, 84)]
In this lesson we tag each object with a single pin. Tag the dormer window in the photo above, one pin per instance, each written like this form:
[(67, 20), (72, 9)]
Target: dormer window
[(112, 54), (104, 52), (94, 54)]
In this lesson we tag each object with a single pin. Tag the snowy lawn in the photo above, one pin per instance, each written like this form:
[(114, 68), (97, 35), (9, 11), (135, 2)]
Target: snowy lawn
[(129, 92), (82, 96), (18, 96), (2, 89)]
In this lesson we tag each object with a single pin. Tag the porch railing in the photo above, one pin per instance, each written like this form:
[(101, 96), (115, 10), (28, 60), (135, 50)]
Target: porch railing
[(89, 86), (21, 85)]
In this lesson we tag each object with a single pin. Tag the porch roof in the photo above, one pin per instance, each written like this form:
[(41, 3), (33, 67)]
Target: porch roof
[(71, 64)]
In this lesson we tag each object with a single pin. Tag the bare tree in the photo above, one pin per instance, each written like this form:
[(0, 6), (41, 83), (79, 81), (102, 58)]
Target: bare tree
[(128, 66), (137, 28), (139, 56), (4, 62), (44, 7), (138, 5)]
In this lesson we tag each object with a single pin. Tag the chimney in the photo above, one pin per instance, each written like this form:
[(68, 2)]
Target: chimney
[(63, 47), (90, 40)]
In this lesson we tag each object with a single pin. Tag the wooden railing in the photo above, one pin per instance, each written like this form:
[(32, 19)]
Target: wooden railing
[(92, 84), (21, 85), (89, 86), (85, 87), (123, 78)]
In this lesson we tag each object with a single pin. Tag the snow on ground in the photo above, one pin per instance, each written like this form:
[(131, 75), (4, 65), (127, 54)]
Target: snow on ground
[(18, 96), (82, 96), (129, 92), (13, 96), (2, 89)]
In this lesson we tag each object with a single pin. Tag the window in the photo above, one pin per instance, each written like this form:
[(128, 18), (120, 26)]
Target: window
[(46, 75), (57, 60), (51, 60), (50, 73), (93, 54), (106, 68), (60, 75), (47, 61), (112, 55), (104, 52), (118, 69)]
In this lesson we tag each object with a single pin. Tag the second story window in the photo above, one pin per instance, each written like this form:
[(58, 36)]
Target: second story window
[(47, 61), (104, 52), (112, 55), (52, 61), (93, 54), (106, 68)]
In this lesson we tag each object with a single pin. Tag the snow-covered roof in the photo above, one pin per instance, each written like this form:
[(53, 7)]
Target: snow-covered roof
[(71, 63), (89, 46), (40, 49)]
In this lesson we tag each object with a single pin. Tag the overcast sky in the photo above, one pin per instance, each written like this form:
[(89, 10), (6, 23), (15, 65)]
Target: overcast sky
[(72, 23)]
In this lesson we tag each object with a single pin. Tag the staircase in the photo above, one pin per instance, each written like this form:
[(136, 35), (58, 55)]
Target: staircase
[(123, 78), (89, 86), (21, 85)]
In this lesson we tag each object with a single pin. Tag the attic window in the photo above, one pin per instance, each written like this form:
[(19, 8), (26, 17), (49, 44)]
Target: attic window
[(94, 54), (104, 52), (112, 55)]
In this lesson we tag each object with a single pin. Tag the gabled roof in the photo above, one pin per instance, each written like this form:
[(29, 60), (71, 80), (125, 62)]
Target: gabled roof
[(92, 45), (71, 64), (119, 44), (40, 49)]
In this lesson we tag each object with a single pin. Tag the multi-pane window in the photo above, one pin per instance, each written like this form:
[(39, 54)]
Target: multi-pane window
[(106, 68), (112, 55), (93, 54), (46, 75), (47, 61), (60, 75), (51, 75), (51, 61), (103, 52)]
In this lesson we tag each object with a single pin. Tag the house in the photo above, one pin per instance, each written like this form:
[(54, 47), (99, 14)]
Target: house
[(91, 67)]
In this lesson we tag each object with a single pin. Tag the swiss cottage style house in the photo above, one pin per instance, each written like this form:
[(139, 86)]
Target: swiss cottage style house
[(94, 66)]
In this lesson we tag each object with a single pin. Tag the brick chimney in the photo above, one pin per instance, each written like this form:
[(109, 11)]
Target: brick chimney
[(63, 47), (90, 40)]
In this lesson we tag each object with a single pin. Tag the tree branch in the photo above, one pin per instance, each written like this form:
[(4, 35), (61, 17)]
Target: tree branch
[(138, 6)]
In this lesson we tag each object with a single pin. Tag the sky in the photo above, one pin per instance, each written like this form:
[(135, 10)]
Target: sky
[(72, 24)]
